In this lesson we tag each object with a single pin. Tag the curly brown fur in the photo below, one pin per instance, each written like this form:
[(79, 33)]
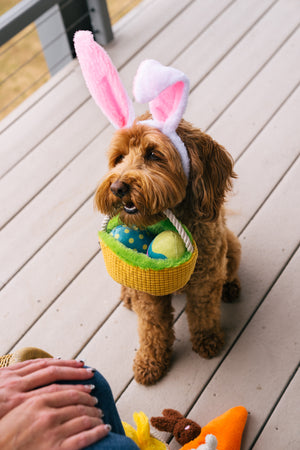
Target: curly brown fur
[(145, 177), (143, 159)]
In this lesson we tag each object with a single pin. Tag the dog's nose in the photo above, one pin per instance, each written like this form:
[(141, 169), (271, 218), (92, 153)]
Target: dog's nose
[(119, 188)]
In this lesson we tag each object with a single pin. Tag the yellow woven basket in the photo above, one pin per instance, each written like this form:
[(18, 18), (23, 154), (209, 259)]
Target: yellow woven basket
[(23, 354), (158, 280)]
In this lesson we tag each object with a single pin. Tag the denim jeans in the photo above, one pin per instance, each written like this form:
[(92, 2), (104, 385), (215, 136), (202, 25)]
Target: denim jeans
[(116, 439)]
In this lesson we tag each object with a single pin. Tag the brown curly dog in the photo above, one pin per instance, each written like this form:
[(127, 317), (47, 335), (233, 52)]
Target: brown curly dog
[(146, 177)]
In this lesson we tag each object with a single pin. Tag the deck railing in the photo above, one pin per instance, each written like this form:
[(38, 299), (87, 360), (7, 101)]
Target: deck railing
[(56, 22), (53, 23)]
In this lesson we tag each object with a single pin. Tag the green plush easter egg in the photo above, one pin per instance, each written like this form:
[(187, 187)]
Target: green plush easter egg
[(167, 244), (132, 237)]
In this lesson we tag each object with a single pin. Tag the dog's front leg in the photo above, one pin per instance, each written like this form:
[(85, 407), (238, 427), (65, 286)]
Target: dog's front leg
[(156, 335), (203, 312)]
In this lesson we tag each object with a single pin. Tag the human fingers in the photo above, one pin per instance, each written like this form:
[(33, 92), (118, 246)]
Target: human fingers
[(27, 367), (60, 399), (68, 413), (58, 388), (85, 437), (16, 398), (53, 373)]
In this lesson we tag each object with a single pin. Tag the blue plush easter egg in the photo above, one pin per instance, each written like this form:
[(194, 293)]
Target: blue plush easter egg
[(167, 244), (132, 237)]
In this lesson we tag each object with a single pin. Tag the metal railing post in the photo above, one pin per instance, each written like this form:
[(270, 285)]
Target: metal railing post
[(54, 40), (100, 21)]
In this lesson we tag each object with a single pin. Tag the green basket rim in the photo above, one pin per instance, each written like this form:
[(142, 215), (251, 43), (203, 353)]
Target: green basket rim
[(141, 260)]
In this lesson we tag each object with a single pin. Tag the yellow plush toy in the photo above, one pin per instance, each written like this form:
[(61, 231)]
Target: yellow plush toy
[(141, 436)]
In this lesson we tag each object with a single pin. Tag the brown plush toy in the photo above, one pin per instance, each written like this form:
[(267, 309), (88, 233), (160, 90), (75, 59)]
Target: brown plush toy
[(184, 430)]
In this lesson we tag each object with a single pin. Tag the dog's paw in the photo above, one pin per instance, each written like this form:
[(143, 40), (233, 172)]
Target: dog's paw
[(208, 343), (148, 370), (231, 291)]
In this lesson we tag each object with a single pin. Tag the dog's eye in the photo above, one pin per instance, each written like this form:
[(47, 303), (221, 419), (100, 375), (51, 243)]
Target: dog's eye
[(152, 154), (118, 159)]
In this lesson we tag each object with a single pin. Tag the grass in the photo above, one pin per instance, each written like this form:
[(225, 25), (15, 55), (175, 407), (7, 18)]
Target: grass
[(23, 66)]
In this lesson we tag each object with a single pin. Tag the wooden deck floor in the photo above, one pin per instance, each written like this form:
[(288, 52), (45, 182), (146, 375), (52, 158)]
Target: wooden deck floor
[(242, 58)]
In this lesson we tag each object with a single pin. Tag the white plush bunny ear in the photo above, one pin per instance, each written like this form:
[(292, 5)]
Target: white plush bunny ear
[(165, 88), (103, 80)]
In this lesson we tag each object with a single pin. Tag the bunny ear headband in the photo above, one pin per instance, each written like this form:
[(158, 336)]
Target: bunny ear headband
[(165, 88)]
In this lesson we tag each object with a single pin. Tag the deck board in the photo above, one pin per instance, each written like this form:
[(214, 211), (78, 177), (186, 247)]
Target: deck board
[(266, 161), (37, 96), (242, 61), (47, 212), (273, 85), (41, 166), (262, 375), (281, 429), (206, 52), (242, 67), (64, 256), (52, 110)]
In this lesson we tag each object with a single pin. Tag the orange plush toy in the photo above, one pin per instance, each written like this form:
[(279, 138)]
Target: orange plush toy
[(222, 433)]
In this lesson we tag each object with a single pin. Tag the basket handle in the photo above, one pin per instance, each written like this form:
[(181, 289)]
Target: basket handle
[(181, 231), (104, 223)]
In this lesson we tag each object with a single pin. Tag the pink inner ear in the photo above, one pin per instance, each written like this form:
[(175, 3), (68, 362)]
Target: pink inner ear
[(163, 106), (115, 108)]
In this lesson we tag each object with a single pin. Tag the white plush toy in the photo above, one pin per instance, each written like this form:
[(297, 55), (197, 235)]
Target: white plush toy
[(210, 443)]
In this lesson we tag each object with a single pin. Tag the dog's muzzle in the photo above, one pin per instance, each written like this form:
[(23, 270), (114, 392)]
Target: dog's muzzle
[(120, 189)]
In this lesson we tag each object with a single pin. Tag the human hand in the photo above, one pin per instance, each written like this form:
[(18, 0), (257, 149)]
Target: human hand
[(27, 379), (66, 420)]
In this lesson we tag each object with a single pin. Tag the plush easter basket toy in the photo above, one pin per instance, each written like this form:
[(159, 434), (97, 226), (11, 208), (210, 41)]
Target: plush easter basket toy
[(137, 270), (166, 90)]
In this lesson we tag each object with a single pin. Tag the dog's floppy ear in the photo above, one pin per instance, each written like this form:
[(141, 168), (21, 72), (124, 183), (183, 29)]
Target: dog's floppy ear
[(216, 178), (103, 81), (211, 173)]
